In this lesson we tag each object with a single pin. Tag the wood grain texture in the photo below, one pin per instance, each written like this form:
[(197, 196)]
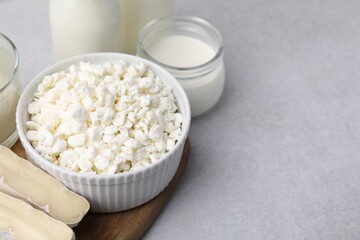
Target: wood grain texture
[(130, 224)]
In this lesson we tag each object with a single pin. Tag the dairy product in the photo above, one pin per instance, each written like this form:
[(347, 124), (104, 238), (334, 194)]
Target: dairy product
[(135, 14), (6, 65), (103, 118), (9, 96), (21, 179), (84, 26), (204, 91), (129, 25), (180, 51), (183, 51), (191, 50), (22, 221)]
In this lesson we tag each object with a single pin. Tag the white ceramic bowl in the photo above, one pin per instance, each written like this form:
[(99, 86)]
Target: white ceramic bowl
[(116, 192)]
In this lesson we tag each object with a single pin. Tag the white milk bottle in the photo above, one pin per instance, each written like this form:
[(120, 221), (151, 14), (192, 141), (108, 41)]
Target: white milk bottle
[(84, 26), (135, 14)]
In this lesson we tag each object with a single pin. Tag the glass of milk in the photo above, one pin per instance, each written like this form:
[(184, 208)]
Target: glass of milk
[(191, 49), (9, 90)]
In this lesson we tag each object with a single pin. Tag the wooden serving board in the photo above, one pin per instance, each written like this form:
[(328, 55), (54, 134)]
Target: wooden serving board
[(130, 224)]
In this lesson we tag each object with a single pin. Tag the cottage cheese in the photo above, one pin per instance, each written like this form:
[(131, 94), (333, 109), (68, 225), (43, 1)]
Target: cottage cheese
[(103, 118)]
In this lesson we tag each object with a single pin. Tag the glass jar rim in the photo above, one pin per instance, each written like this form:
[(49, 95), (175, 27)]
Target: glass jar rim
[(199, 22), (16, 66)]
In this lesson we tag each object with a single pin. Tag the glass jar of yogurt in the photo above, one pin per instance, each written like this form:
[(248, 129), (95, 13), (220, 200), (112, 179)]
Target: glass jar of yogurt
[(9, 90), (191, 49)]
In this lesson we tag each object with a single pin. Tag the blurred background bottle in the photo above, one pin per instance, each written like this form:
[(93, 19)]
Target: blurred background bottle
[(84, 26), (134, 14)]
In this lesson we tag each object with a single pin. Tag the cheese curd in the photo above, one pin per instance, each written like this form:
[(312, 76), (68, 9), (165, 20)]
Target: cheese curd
[(103, 118)]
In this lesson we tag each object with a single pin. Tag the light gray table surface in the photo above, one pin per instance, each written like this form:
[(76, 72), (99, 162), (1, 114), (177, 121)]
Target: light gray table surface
[(278, 158)]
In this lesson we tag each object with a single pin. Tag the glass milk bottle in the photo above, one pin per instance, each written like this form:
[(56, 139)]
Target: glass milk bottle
[(135, 14), (84, 26)]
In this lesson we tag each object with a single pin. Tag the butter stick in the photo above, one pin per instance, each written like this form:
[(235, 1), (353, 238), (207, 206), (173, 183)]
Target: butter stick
[(25, 222), (21, 179)]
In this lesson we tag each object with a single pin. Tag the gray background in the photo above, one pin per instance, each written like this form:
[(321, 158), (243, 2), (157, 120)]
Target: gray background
[(278, 157)]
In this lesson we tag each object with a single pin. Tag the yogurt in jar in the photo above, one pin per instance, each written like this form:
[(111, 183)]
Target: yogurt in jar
[(183, 51), (191, 49)]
